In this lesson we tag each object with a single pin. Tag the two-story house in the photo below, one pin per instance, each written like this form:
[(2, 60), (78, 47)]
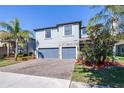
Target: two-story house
[(61, 41)]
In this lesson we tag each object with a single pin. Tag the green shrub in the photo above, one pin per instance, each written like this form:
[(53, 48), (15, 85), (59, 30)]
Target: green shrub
[(24, 55)]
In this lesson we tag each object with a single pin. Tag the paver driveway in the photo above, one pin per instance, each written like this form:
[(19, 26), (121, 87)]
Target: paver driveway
[(40, 67)]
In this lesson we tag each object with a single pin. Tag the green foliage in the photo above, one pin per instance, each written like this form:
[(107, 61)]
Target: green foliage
[(101, 44), (13, 31), (103, 33), (15, 34)]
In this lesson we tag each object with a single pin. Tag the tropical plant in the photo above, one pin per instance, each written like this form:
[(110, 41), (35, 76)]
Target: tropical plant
[(100, 46), (15, 33), (111, 16)]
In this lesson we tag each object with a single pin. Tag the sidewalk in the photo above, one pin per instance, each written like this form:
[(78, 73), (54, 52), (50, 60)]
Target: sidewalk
[(86, 85), (12, 80)]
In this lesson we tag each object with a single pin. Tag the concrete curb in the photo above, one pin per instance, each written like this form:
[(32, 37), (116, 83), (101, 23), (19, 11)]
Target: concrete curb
[(72, 75)]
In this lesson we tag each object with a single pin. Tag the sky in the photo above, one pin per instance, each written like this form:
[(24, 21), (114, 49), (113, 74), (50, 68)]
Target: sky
[(32, 17)]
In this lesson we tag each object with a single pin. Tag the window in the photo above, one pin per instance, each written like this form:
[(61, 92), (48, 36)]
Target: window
[(83, 31), (48, 33), (67, 30), (122, 49)]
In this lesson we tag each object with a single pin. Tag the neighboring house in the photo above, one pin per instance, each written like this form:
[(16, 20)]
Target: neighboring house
[(3, 49), (1, 44), (120, 48), (30, 46), (6, 48), (61, 41)]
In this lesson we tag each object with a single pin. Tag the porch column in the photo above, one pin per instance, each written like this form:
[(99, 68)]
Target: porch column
[(77, 49), (7, 49)]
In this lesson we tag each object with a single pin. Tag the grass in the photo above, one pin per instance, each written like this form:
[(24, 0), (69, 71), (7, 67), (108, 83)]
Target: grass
[(6, 61), (119, 59), (9, 61), (20, 58), (109, 76)]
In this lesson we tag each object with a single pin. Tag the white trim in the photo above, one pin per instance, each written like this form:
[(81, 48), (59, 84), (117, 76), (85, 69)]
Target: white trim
[(36, 53), (76, 52), (60, 52)]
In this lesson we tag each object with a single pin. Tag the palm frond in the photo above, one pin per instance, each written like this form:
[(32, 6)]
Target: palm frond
[(17, 25), (121, 25), (7, 26), (5, 35)]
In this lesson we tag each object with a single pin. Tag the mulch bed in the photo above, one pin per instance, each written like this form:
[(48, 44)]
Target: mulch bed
[(20, 60), (101, 66)]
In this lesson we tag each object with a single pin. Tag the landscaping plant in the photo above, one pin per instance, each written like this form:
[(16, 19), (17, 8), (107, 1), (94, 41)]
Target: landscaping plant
[(13, 32), (105, 29)]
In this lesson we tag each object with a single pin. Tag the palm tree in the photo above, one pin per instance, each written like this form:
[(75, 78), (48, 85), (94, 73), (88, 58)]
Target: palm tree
[(112, 17), (15, 33)]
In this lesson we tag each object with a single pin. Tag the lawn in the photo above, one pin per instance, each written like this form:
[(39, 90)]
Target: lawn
[(119, 59), (109, 76), (9, 61), (6, 61)]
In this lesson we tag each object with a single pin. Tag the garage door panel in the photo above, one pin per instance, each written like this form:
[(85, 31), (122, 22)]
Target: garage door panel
[(48, 53), (69, 53)]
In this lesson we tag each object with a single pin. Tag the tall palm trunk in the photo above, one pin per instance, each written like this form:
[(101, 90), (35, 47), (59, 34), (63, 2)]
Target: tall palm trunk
[(114, 29), (16, 50)]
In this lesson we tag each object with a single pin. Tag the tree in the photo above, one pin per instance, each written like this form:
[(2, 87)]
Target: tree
[(15, 33), (111, 16), (101, 43)]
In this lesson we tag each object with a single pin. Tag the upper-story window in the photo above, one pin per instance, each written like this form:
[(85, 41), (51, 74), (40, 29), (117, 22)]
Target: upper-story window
[(83, 31), (48, 33), (67, 30)]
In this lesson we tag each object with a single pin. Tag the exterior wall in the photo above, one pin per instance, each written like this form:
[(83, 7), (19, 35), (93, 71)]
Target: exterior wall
[(3, 51), (58, 39), (1, 44), (31, 46)]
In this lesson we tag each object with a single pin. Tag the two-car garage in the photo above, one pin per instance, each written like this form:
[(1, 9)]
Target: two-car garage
[(66, 52)]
